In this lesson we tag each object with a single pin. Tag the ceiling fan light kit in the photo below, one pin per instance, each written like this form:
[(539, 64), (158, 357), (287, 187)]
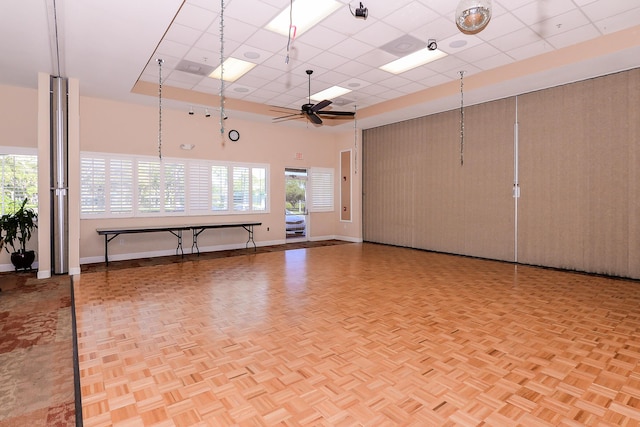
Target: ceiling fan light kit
[(472, 16), (312, 112)]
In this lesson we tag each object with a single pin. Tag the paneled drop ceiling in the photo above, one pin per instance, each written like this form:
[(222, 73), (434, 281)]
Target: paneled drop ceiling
[(112, 48)]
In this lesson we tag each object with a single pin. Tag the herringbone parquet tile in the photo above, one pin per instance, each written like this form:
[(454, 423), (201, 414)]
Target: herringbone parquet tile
[(356, 335)]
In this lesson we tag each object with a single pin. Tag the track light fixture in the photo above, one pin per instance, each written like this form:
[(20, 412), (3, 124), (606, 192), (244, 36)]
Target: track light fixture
[(361, 12), (207, 111), (432, 45)]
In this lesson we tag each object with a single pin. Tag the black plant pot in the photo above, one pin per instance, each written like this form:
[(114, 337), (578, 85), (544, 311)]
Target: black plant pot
[(22, 260)]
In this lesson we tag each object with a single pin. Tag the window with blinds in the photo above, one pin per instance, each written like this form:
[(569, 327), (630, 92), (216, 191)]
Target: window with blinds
[(113, 186)]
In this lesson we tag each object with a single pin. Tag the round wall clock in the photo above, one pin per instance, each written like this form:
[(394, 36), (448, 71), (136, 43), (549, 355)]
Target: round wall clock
[(234, 135)]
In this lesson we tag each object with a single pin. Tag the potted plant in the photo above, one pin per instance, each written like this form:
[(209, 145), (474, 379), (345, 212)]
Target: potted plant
[(15, 232)]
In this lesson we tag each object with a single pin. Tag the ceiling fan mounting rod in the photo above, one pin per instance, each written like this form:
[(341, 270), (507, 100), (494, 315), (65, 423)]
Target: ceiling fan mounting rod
[(309, 72)]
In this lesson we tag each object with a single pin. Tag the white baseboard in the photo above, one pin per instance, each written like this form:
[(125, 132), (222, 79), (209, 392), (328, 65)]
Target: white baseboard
[(10, 267), (203, 249)]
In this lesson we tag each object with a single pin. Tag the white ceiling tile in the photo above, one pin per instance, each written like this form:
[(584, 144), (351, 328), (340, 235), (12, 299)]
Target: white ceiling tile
[(410, 18), (351, 48), (500, 26), (330, 60), (619, 22), (576, 35), (195, 17), (375, 58), (378, 34), (233, 30), (182, 34), (259, 14), (539, 47), (170, 48), (491, 62), (516, 39), (560, 24), (320, 37), (542, 10), (599, 10)]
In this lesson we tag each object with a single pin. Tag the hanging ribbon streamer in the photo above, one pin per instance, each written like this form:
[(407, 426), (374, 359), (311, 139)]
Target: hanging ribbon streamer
[(222, 114), (461, 118), (291, 27), (160, 61)]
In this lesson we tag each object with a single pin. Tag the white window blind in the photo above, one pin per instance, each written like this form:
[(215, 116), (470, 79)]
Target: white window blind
[(259, 189), (321, 189), (148, 184), (199, 185), (219, 188), (92, 186), (120, 186), (240, 188), (174, 187)]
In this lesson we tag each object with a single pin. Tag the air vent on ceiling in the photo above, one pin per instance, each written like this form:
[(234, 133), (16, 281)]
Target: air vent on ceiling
[(343, 101), (194, 68), (404, 45)]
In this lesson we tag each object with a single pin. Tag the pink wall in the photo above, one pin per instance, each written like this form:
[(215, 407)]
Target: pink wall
[(114, 127)]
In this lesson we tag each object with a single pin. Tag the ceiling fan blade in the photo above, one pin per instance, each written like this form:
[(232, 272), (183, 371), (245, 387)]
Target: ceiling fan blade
[(288, 116), (314, 118), (283, 110), (320, 105), (336, 113)]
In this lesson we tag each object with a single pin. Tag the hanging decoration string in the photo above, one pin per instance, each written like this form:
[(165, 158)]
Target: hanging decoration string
[(355, 139), (461, 118), (160, 61), (222, 114)]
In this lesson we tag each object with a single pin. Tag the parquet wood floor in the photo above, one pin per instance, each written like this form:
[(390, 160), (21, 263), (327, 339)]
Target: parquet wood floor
[(356, 335)]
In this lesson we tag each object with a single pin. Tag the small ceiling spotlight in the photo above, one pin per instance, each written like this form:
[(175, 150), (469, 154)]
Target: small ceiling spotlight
[(207, 113), (191, 113), (432, 45), (361, 12)]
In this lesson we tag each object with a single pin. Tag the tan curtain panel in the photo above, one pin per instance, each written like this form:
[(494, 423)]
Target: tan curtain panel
[(579, 174), (416, 192)]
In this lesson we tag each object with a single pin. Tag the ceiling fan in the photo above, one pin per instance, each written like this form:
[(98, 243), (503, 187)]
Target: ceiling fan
[(313, 111)]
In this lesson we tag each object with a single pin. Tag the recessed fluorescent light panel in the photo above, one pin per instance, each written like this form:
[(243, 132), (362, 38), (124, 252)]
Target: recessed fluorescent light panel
[(233, 69), (406, 63), (306, 14), (332, 92)]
